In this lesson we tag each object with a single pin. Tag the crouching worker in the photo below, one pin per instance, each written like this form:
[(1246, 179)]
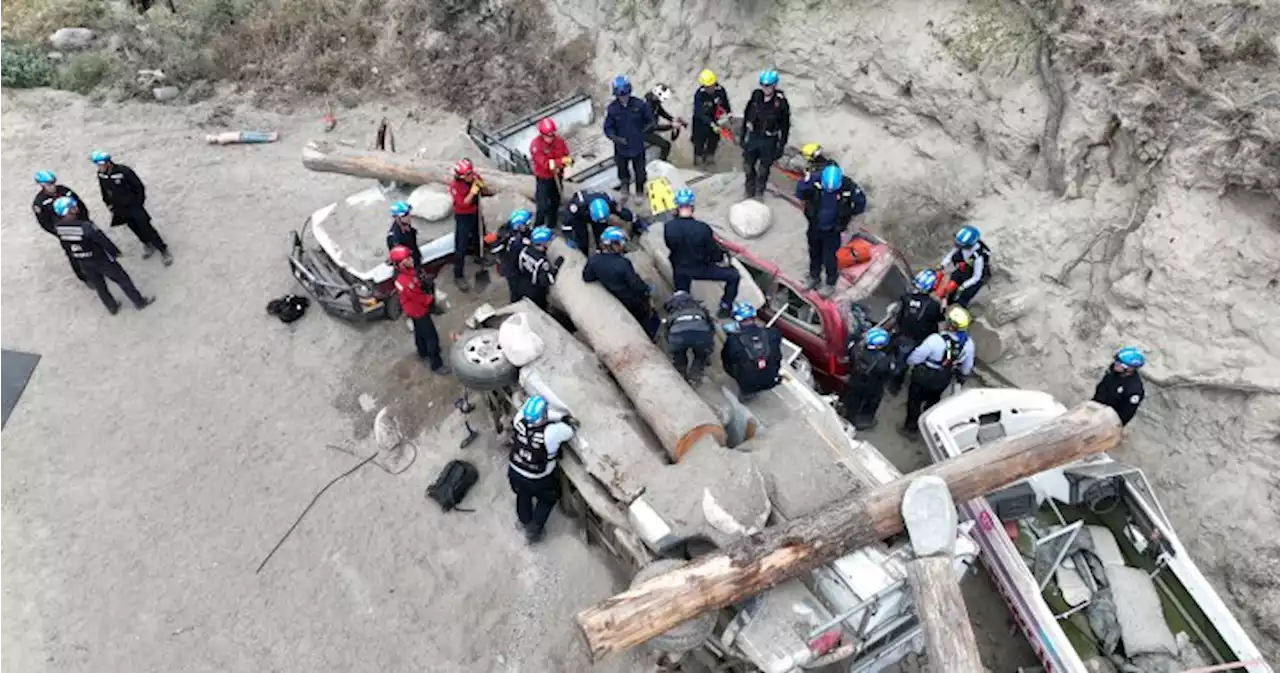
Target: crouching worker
[(873, 366), (535, 453), (416, 300), (752, 353), (690, 332), (614, 271), (507, 244)]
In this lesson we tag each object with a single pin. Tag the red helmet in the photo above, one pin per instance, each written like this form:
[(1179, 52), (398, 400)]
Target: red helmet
[(463, 167), (546, 126), (399, 253)]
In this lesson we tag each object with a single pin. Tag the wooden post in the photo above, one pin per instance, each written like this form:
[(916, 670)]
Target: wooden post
[(325, 157), (930, 517), (780, 553)]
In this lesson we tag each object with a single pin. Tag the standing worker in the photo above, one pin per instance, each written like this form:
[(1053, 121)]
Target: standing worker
[(402, 232), (1121, 387), (830, 204), (657, 99), (691, 335), (766, 125), (970, 261), (939, 360), (508, 251), (550, 156), (710, 109), (42, 205), (588, 215), (126, 198), (535, 455), (752, 353), (466, 190), (416, 300), (695, 254), (872, 367), (537, 274), (626, 122), (614, 271), (95, 254), (918, 315)]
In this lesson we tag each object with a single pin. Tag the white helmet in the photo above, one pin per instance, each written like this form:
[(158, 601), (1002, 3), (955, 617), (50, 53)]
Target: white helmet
[(662, 92)]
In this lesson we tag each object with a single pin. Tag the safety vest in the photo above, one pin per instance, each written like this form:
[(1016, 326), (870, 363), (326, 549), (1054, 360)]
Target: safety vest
[(953, 351), (964, 270), (529, 454), (72, 237)]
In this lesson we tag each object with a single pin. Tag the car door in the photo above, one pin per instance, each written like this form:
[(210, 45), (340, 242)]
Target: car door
[(799, 319)]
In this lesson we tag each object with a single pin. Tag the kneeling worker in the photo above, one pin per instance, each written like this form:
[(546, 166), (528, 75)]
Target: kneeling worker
[(416, 300), (695, 254), (1121, 388), (690, 331), (752, 353), (872, 367), (614, 271), (939, 360), (587, 216), (535, 453)]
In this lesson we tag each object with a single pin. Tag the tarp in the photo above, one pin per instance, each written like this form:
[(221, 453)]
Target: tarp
[(16, 368)]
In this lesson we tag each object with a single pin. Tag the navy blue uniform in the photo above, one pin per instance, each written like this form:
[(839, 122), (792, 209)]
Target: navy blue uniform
[(828, 214), (1122, 392), (615, 272), (870, 371), (766, 126), (695, 255), (918, 316), (690, 332), (96, 255), (578, 227), (752, 355), (42, 206), (507, 250), (626, 123), (407, 236), (126, 198), (710, 104)]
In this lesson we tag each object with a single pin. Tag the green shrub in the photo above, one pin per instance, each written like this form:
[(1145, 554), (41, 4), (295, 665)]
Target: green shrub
[(35, 20), (83, 73), (23, 67)]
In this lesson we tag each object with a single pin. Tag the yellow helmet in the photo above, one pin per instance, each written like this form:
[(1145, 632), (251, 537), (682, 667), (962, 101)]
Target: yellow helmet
[(707, 78), (958, 317), (811, 150)]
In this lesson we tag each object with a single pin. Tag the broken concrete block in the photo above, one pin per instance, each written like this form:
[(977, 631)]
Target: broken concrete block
[(750, 218), (166, 93), (431, 203), (71, 39), (930, 516)]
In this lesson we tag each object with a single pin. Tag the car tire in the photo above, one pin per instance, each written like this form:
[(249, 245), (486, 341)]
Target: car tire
[(687, 636), (479, 364), (392, 307)]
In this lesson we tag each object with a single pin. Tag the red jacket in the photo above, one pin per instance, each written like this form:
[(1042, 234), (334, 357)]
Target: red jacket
[(415, 301), (542, 153), (458, 190)]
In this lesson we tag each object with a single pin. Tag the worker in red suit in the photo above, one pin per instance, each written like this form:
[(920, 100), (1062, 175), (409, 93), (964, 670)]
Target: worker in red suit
[(466, 190), (416, 298), (550, 156)]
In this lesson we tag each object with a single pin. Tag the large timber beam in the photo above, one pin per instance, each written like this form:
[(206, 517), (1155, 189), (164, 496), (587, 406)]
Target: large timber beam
[(325, 157)]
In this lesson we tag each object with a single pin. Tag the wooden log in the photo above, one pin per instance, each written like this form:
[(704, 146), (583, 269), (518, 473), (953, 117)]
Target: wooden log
[(782, 552), (325, 157), (675, 413), (930, 517)]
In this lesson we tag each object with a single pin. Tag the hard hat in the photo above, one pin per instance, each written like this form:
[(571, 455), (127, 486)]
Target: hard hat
[(743, 311), (1131, 357), (832, 178), (464, 167), (877, 337), (707, 78), (613, 235), (99, 157), (534, 409), (811, 151), (684, 197), (547, 126), (621, 85), (967, 236), (401, 209), (520, 218), (662, 92), (598, 209), (399, 253), (63, 205), (540, 235), (926, 280), (958, 317), (768, 78), (46, 177)]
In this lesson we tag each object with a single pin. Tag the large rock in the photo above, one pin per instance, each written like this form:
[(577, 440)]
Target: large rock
[(71, 39), (431, 203), (750, 218)]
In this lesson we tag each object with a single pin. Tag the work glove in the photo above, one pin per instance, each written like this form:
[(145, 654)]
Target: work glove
[(638, 227), (551, 163), (555, 266), (475, 188), (571, 421), (567, 161)]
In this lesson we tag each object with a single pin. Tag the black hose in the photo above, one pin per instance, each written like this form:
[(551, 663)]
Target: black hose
[(308, 509)]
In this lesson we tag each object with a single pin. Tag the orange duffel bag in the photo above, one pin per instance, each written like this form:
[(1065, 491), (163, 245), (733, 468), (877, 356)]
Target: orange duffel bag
[(853, 253)]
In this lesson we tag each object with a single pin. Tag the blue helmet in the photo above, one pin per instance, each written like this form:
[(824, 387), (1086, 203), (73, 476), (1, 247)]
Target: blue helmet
[(63, 205), (743, 311), (621, 85), (832, 178), (926, 280), (967, 236), (613, 235), (46, 177), (684, 197), (876, 337), (540, 235), (99, 157), (599, 209), (534, 409), (520, 218), (401, 209), (1128, 356), (768, 78)]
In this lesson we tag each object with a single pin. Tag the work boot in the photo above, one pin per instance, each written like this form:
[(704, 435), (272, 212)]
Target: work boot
[(462, 283), (908, 432), (166, 258), (750, 191), (533, 535), (148, 250), (113, 309), (146, 301), (442, 370), (827, 291), (864, 422), (724, 312), (810, 284)]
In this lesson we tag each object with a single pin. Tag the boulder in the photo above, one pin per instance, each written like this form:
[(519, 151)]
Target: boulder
[(750, 218), (71, 39), (431, 202), (166, 93)]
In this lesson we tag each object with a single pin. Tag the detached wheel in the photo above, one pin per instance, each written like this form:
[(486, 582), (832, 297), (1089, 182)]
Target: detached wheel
[(478, 361), (687, 636)]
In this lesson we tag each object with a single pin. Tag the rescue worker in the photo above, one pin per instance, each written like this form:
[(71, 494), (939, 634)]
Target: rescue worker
[(691, 335), (970, 261), (815, 160), (126, 198), (917, 317), (588, 215), (830, 204), (537, 274), (872, 365), (710, 108), (466, 190), (766, 125), (936, 362), (657, 99), (1121, 387), (96, 255), (752, 353), (42, 206), (510, 243), (626, 122), (402, 232), (695, 254), (416, 299), (614, 271), (550, 156), (535, 454)]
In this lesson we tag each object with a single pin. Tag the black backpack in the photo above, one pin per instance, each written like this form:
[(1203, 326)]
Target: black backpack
[(453, 483), (288, 308)]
